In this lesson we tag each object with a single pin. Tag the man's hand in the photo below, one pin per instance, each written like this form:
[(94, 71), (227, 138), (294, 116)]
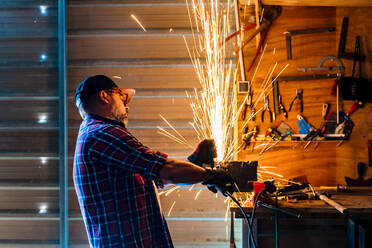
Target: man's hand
[(204, 153), (220, 181)]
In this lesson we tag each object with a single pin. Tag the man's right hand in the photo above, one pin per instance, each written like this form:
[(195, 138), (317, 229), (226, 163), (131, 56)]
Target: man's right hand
[(220, 181)]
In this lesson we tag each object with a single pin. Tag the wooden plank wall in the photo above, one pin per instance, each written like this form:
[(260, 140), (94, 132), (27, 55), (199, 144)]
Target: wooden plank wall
[(102, 39), (329, 163)]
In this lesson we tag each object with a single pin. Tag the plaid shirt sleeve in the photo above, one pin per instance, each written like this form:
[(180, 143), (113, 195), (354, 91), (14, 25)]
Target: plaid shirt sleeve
[(116, 147)]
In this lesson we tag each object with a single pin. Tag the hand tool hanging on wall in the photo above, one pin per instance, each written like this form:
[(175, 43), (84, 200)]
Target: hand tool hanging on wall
[(270, 14), (266, 108), (299, 94), (321, 66), (345, 126), (249, 103), (290, 33), (253, 140), (296, 78), (318, 133), (342, 42), (247, 139), (352, 88), (305, 128)]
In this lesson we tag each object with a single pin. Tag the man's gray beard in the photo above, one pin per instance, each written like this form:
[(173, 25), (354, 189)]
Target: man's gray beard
[(119, 116)]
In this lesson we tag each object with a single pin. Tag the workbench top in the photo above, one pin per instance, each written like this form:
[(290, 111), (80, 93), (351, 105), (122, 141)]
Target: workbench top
[(357, 202)]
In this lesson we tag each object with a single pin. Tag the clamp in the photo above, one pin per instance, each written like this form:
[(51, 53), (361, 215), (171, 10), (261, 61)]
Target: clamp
[(299, 94)]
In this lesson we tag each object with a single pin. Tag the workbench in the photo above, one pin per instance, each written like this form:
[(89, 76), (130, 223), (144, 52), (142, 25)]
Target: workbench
[(319, 224)]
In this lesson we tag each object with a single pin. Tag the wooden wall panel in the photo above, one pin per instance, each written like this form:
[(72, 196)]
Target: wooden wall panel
[(11, 49), (28, 170), (29, 230), (144, 110), (26, 21), (28, 82), (28, 200), (329, 163), (157, 78), (152, 17), (128, 47), (44, 143)]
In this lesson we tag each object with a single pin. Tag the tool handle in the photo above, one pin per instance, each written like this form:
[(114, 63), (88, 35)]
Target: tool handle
[(325, 110), (352, 108), (244, 112), (334, 204)]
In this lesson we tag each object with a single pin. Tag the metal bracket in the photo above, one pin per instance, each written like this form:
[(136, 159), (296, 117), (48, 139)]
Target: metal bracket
[(290, 33)]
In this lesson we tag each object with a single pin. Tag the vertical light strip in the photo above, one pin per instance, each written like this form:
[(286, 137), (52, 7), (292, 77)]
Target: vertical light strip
[(63, 128)]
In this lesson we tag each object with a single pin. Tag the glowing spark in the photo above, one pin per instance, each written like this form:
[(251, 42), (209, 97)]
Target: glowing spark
[(261, 16), (192, 186), (274, 50), (173, 129), (271, 173), (227, 231), (197, 194), (171, 136), (264, 149), (139, 23), (170, 30), (272, 145), (171, 208), (171, 190), (227, 209), (118, 77)]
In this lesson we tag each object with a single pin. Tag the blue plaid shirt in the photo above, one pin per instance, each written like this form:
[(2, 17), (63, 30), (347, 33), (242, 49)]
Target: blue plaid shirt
[(113, 176)]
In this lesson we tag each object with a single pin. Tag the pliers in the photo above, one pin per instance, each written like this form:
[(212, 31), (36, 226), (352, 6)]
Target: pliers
[(266, 107), (299, 94), (249, 104)]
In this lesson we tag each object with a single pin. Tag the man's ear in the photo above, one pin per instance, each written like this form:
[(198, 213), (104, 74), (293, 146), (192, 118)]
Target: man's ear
[(104, 97)]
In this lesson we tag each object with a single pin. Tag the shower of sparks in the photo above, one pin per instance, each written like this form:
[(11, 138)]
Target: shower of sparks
[(197, 195), (213, 111), (139, 23), (171, 208)]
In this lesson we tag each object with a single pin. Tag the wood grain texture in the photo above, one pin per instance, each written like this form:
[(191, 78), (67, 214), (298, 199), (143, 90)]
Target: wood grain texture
[(329, 163)]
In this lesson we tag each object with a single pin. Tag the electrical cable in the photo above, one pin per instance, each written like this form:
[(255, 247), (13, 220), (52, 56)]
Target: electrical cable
[(245, 217)]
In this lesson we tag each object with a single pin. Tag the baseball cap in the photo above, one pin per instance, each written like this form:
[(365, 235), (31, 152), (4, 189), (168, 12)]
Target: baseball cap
[(95, 84)]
